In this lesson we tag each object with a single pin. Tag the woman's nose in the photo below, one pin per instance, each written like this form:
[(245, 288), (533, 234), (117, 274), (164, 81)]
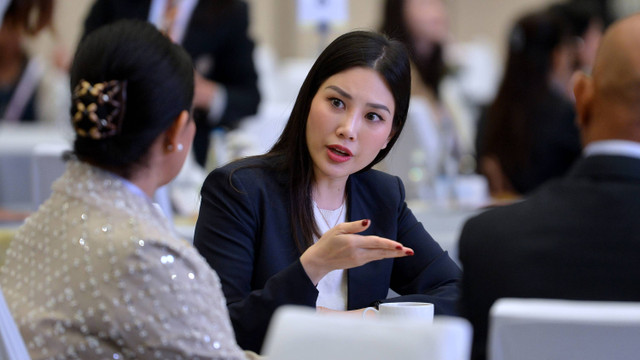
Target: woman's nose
[(348, 127)]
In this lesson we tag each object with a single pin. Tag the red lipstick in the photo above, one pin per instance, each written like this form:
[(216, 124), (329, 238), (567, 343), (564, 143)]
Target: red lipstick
[(339, 153)]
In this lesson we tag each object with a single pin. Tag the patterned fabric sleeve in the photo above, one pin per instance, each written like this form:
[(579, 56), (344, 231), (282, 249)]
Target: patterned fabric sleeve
[(174, 306)]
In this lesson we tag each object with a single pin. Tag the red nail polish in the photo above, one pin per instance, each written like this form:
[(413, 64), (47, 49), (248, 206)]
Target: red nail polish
[(365, 222), (398, 247), (409, 252)]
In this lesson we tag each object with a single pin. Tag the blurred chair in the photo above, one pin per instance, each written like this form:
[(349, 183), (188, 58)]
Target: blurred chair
[(528, 329), (11, 344), (301, 333)]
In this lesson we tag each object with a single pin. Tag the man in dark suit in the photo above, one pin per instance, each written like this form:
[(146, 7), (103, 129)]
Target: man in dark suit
[(214, 33), (578, 237)]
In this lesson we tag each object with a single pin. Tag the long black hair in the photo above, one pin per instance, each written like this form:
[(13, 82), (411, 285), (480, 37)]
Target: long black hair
[(525, 84), (354, 49), (155, 73)]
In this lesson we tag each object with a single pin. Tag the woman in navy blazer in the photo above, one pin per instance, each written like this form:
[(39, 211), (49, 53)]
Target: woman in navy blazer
[(263, 222)]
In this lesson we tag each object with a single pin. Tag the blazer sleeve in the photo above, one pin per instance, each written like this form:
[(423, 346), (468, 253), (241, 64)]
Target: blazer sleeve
[(430, 275), (226, 235)]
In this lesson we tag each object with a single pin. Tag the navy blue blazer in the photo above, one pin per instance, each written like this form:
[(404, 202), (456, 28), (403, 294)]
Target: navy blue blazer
[(243, 231), (575, 238)]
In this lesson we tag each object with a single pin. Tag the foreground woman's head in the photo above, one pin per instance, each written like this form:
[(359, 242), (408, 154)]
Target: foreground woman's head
[(358, 49), (130, 84)]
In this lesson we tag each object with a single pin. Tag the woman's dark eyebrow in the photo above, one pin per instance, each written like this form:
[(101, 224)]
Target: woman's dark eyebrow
[(379, 106), (340, 91), (346, 95)]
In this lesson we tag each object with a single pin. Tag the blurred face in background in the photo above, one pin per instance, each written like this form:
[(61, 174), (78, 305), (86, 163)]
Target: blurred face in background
[(427, 22), (589, 45), (563, 65)]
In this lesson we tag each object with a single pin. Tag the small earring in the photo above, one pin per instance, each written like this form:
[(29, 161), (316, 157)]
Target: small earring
[(180, 147)]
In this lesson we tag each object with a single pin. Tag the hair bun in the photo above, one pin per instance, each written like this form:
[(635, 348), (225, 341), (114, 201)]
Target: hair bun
[(98, 109)]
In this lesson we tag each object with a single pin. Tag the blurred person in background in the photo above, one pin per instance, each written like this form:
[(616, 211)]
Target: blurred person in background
[(528, 134), (30, 89), (97, 271), (215, 34), (578, 237), (439, 137), (587, 25)]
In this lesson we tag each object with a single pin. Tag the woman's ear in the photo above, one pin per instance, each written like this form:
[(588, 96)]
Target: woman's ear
[(173, 132), (583, 91)]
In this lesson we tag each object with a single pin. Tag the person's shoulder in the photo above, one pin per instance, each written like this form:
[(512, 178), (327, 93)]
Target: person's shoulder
[(375, 178), (255, 171), (521, 214), (495, 214), (245, 167), (490, 229), (377, 184)]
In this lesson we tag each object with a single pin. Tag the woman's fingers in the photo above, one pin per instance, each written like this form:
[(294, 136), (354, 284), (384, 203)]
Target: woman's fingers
[(352, 227), (384, 246), (342, 248), (377, 242), (376, 248)]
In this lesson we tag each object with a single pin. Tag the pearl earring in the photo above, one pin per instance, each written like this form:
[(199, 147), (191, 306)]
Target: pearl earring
[(179, 147)]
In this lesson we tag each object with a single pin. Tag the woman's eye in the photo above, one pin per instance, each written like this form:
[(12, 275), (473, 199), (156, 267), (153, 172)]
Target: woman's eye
[(336, 102), (374, 117)]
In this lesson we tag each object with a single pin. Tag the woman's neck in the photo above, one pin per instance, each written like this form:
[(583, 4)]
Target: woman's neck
[(142, 178), (329, 194)]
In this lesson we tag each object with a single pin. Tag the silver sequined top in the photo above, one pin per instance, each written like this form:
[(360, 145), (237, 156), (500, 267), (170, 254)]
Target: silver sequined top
[(96, 273)]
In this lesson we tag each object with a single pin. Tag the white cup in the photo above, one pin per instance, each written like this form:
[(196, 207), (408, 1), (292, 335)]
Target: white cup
[(415, 310)]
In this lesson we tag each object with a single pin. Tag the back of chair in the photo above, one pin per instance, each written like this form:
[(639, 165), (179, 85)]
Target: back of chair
[(11, 345), (301, 333), (537, 329)]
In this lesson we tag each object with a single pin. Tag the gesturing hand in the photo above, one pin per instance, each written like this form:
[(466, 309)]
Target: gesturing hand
[(342, 248)]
